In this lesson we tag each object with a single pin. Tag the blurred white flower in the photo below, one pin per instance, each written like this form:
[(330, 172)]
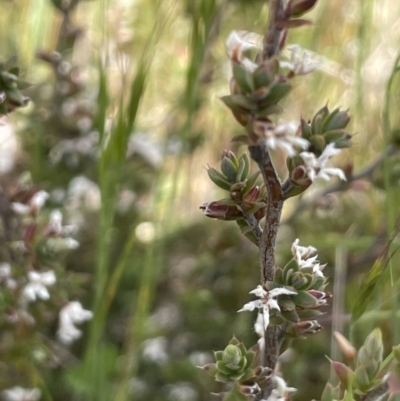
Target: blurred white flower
[(240, 41), (155, 350), (5, 276), (71, 314), (21, 394), (36, 288), (34, 205), (304, 260), (144, 145), (83, 192), (281, 136), (182, 391), (55, 227), (281, 392), (315, 168), (300, 61), (266, 302)]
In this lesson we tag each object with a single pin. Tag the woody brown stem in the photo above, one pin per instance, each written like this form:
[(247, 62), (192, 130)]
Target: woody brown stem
[(259, 154), (275, 30)]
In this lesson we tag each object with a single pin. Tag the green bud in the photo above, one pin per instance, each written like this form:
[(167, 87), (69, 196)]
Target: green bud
[(316, 124), (232, 356), (336, 120), (229, 169)]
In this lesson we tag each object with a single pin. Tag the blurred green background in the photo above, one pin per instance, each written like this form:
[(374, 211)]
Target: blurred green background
[(122, 121)]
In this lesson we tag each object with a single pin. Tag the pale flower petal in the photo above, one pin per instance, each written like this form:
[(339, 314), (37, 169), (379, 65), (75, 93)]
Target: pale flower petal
[(259, 292), (266, 302), (239, 42), (316, 168)]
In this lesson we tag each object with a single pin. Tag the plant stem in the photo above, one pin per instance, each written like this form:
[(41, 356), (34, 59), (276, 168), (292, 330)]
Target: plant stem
[(259, 154), (273, 35), (275, 199), (275, 195)]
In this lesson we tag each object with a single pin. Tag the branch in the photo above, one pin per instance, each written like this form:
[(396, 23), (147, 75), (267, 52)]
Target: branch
[(272, 38), (252, 222), (259, 154)]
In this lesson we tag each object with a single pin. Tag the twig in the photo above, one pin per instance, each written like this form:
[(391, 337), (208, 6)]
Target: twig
[(272, 38), (259, 154), (252, 222)]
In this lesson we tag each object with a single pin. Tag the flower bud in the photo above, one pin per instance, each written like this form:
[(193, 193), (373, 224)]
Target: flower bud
[(221, 210), (232, 356), (336, 120), (344, 373), (307, 327), (251, 197), (345, 346), (296, 8), (299, 176), (229, 165)]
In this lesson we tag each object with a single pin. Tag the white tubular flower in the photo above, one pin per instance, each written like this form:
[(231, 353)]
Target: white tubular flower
[(315, 168), (300, 61), (281, 136), (71, 314), (21, 394), (303, 258), (266, 302), (36, 288), (240, 41)]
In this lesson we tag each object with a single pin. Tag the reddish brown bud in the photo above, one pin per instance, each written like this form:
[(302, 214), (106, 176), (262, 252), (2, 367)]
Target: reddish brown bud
[(221, 210), (296, 8)]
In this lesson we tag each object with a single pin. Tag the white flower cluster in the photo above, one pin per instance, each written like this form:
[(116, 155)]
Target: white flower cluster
[(303, 258), (281, 136), (316, 167), (266, 302)]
